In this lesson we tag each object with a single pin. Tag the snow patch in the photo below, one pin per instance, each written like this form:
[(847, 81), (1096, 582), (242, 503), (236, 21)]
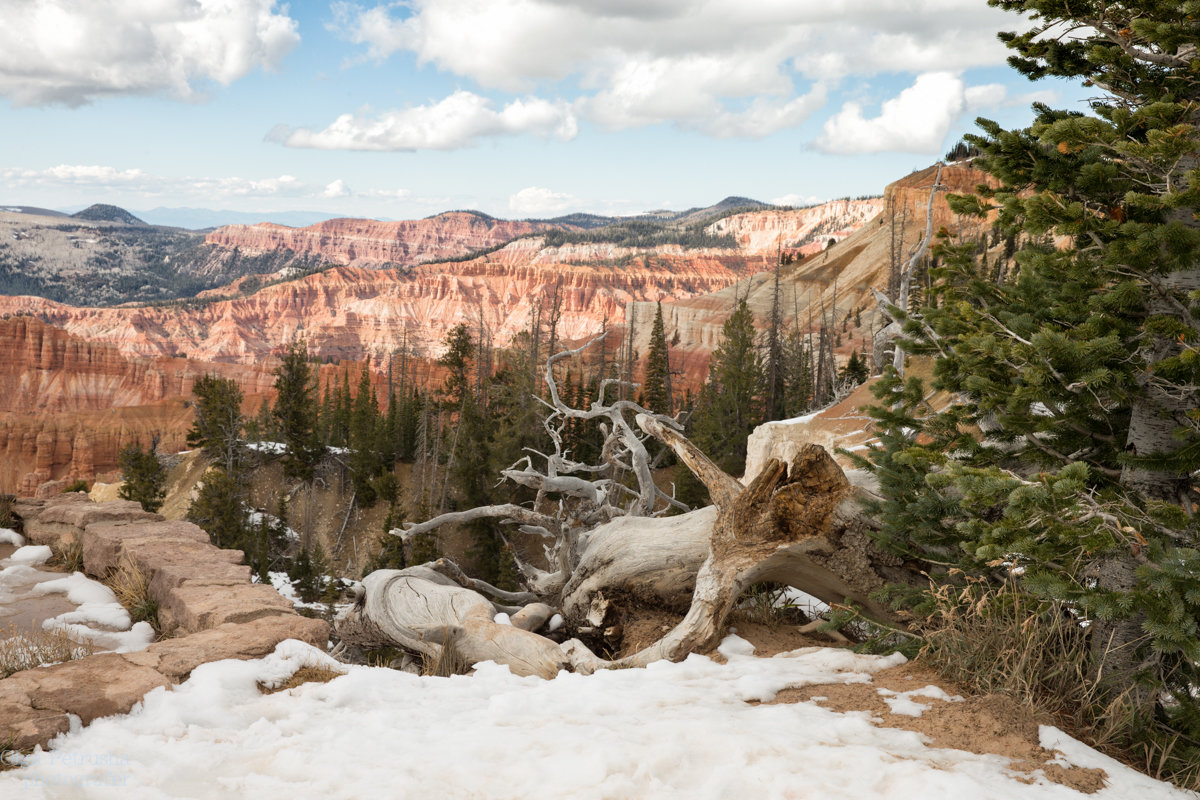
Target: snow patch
[(9, 536), (98, 618), (668, 731), (31, 555), (903, 702)]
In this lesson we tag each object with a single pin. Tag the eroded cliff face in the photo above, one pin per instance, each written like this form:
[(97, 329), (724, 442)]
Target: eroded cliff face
[(68, 406), (83, 382), (834, 284), (366, 242), (350, 312), (802, 230)]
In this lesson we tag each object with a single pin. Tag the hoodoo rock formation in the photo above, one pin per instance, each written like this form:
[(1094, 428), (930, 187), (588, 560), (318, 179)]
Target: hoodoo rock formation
[(364, 241), (82, 382), (68, 406)]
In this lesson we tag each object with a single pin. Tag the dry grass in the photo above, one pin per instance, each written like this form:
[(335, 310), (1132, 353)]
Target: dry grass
[(7, 518), (68, 558), (302, 676), (447, 662), (999, 640), (132, 587), (20, 650)]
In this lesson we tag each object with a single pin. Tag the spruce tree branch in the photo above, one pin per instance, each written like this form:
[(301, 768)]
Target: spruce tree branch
[(1134, 52)]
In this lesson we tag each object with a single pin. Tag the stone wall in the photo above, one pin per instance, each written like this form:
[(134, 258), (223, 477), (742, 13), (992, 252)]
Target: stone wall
[(207, 605)]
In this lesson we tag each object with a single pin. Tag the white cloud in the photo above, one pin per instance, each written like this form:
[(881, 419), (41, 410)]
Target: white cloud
[(103, 181), (987, 96), (336, 189), (534, 201), (460, 120), (915, 121), (70, 52), (797, 200), (729, 68)]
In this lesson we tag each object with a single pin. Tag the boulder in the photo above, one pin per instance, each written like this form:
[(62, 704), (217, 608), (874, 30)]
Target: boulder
[(176, 658), (105, 542), (197, 606), (92, 687)]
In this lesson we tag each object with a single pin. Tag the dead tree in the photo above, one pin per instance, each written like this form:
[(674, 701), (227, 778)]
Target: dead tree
[(612, 552), (896, 311)]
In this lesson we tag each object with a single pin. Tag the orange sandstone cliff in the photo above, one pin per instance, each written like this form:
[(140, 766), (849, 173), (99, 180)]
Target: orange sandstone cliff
[(835, 282), (78, 383), (346, 241)]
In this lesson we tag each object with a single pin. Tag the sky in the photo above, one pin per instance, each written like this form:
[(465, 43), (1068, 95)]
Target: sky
[(518, 108)]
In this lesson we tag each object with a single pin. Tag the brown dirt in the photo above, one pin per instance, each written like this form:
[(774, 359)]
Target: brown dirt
[(302, 676), (979, 724)]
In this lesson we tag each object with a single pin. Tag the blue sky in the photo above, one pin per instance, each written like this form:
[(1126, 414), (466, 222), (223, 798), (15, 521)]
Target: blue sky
[(515, 107)]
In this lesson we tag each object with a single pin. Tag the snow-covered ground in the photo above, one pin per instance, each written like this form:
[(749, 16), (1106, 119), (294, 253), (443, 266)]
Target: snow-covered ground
[(97, 617), (668, 731)]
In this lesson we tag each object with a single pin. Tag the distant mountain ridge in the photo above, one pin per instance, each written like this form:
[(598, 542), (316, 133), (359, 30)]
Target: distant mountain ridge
[(102, 212), (203, 219)]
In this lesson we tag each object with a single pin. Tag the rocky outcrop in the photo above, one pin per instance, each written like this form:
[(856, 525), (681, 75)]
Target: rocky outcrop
[(205, 600), (834, 284), (803, 230), (45, 368), (349, 312), (365, 241), (68, 406)]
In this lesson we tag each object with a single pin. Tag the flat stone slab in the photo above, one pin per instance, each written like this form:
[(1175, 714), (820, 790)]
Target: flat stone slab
[(105, 542), (201, 590), (92, 687), (198, 607), (176, 658), (61, 524)]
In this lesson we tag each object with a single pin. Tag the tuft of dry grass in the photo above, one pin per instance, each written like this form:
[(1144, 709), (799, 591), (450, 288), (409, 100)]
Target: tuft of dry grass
[(8, 519), (1000, 640), (132, 587), (68, 558), (447, 662), (21, 650), (302, 676)]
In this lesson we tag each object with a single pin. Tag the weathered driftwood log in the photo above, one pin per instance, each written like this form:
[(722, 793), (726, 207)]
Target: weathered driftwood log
[(423, 611), (800, 524)]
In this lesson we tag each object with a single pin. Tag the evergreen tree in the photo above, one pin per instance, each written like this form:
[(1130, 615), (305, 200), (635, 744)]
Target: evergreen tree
[(217, 428), (143, 478), (730, 404), (656, 390), (855, 371), (365, 458), (296, 412), (219, 509), (460, 349), (1082, 368)]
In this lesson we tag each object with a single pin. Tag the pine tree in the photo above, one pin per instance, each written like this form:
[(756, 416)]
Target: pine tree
[(855, 371), (730, 405), (143, 478), (217, 428), (1083, 367), (296, 412), (365, 458), (656, 389), (460, 349), (219, 509)]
